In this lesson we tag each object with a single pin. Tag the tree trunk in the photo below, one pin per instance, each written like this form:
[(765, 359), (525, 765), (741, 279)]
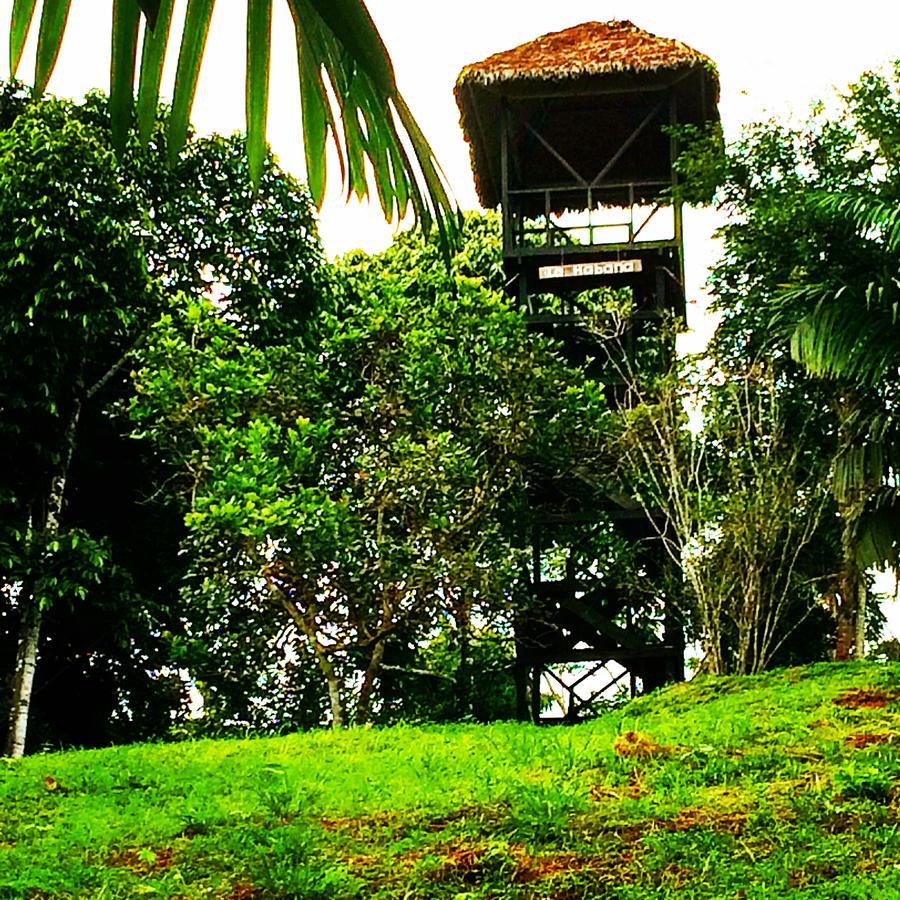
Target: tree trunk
[(23, 682), (307, 628), (860, 650), (845, 614), (367, 690), (464, 670), (845, 636), (334, 692), (30, 628), (851, 616)]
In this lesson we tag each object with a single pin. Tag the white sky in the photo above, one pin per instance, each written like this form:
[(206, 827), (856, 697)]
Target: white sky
[(774, 57)]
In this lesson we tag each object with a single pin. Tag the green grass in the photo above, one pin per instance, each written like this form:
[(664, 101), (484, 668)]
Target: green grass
[(754, 787)]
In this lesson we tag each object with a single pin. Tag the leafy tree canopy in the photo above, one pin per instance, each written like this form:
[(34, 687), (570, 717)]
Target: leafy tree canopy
[(94, 245), (373, 477)]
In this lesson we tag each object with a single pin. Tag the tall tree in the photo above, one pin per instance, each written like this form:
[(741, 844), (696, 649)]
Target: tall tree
[(69, 266), (809, 268), (198, 227), (363, 483), (738, 503)]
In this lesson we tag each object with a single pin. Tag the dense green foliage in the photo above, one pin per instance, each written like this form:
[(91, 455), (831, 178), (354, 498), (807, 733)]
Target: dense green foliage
[(809, 274), (94, 248), (781, 785), (366, 484), (815, 208)]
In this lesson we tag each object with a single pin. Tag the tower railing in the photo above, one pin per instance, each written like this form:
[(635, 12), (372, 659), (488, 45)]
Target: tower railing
[(607, 217)]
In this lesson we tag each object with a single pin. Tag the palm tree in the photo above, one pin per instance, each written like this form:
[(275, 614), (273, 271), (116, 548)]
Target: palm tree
[(852, 334), (347, 82)]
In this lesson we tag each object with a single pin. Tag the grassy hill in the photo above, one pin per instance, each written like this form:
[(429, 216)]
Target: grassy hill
[(782, 785)]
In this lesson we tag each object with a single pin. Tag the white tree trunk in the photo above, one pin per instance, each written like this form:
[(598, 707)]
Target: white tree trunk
[(338, 720), (26, 663), (30, 629)]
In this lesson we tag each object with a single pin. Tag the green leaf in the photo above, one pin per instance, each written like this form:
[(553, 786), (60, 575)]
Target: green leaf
[(153, 57), (449, 226), (350, 23), (190, 57), (316, 111), (371, 110), (53, 25), (259, 32), (20, 22), (126, 20), (150, 9)]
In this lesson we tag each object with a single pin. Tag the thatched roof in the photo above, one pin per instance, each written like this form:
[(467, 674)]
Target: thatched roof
[(594, 48), (608, 55)]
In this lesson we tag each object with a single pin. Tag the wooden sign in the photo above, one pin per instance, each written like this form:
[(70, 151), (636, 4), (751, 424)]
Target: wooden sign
[(584, 270)]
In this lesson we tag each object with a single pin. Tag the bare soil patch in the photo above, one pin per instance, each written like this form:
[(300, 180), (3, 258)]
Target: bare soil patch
[(864, 698)]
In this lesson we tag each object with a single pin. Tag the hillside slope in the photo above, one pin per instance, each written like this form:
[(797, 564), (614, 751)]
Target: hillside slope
[(782, 785)]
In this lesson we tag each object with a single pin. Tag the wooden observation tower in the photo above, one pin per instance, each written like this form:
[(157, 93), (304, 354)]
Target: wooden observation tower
[(569, 134)]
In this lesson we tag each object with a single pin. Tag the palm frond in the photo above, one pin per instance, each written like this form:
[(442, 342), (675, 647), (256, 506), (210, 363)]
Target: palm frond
[(153, 58), (876, 532), (20, 22), (197, 19), (850, 334), (54, 15), (126, 25), (863, 463), (259, 32), (872, 215), (342, 61)]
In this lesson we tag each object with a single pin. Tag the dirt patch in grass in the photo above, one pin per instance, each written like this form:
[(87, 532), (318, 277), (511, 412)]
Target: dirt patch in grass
[(575, 875), (861, 741), (812, 873), (634, 745), (864, 698), (53, 786), (483, 814), (470, 863), (841, 823), (361, 862), (362, 826), (244, 891), (357, 826), (723, 822), (141, 861), (628, 837), (384, 870), (552, 865), (462, 860)]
